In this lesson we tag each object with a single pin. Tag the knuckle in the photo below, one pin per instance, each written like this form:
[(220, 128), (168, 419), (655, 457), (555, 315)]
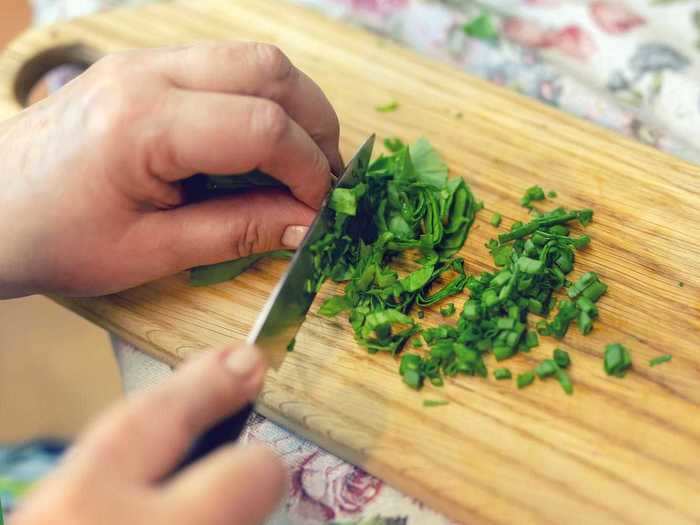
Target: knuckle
[(110, 106), (247, 239), (272, 60), (271, 121)]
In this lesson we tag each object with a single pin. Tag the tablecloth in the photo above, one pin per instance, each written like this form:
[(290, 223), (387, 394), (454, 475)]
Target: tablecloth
[(632, 66)]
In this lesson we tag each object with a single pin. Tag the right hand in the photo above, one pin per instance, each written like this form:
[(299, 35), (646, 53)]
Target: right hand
[(113, 474)]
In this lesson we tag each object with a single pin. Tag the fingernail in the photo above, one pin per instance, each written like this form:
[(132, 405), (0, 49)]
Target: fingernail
[(293, 235), (243, 361)]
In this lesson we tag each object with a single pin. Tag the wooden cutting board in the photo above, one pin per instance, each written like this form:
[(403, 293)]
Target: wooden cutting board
[(618, 451)]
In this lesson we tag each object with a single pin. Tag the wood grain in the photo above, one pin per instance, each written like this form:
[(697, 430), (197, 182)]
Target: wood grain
[(618, 451)]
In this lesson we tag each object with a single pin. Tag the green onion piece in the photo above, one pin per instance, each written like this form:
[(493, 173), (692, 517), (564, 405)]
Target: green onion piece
[(617, 360), (565, 381), (579, 286), (525, 379), (502, 352), (551, 194), (505, 323), (502, 373), (680, 284), (496, 219), (291, 344), (417, 343), (489, 298), (546, 368), (534, 306), (435, 402), (471, 311), (388, 107), (585, 216), (530, 266), (586, 305), (660, 359), (595, 291), (447, 310), (410, 362), (584, 322), (581, 242), (561, 358), (413, 379), (420, 314), (534, 193), (531, 339), (501, 278), (559, 229), (436, 381)]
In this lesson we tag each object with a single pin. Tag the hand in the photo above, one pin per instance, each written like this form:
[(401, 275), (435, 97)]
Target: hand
[(112, 475), (90, 201)]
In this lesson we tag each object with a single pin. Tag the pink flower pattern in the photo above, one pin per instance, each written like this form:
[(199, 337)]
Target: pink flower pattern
[(614, 17), (570, 40), (323, 486)]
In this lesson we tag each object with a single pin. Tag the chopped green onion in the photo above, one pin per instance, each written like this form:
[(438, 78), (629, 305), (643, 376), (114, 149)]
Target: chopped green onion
[(410, 362), (551, 194), (531, 266), (617, 360), (531, 339), (496, 219), (447, 310), (417, 343), (525, 379), (584, 322), (546, 368), (435, 402), (561, 357), (595, 291), (565, 381), (436, 381), (502, 373), (660, 359), (388, 107), (534, 193), (413, 379), (502, 352)]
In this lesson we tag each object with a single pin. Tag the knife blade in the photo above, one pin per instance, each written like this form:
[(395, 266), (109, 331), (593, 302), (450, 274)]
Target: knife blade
[(284, 311), (286, 308)]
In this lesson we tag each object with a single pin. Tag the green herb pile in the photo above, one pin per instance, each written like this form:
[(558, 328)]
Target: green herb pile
[(405, 203)]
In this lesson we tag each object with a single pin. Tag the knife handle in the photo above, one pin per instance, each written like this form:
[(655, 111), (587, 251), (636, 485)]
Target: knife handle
[(225, 431)]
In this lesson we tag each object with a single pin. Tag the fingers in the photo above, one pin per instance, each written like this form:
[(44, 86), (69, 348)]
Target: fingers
[(240, 485), (222, 134), (144, 438), (258, 70), (221, 229)]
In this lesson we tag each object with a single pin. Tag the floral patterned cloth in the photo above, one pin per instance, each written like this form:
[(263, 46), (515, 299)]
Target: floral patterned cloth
[(629, 65)]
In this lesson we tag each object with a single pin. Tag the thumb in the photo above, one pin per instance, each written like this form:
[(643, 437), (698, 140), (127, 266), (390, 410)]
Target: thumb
[(227, 228)]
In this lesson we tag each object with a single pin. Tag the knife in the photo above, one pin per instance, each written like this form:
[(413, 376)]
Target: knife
[(284, 312)]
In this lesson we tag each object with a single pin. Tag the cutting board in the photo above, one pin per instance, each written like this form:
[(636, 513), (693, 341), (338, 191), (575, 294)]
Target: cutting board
[(617, 451)]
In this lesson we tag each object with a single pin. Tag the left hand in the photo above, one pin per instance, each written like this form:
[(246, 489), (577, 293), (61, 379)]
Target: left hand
[(90, 201)]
